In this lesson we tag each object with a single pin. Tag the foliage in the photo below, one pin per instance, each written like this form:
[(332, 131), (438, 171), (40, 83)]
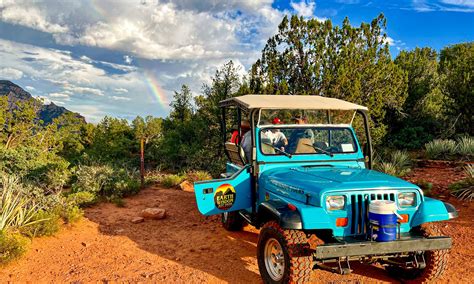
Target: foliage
[(71, 214), (12, 246), (462, 148), (47, 223), (440, 149), (464, 189), (396, 163), (457, 69), (465, 147), (198, 176), (16, 210), (82, 198), (106, 181), (171, 180), (425, 186)]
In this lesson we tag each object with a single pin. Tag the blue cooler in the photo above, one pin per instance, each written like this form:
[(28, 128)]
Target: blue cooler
[(383, 219)]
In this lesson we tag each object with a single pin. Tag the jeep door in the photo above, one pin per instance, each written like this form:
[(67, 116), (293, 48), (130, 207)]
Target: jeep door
[(224, 195)]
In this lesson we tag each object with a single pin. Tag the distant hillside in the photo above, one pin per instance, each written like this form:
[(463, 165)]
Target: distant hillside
[(47, 112)]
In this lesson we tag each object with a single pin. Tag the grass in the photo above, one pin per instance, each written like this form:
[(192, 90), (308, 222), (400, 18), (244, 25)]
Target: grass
[(170, 181), (464, 189), (440, 149), (48, 223), (396, 163), (193, 176), (12, 246), (465, 147)]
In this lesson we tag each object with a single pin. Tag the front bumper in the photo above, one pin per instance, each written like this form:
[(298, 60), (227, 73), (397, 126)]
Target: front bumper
[(368, 248)]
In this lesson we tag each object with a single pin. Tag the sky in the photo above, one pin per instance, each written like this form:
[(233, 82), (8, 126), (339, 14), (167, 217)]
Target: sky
[(125, 58)]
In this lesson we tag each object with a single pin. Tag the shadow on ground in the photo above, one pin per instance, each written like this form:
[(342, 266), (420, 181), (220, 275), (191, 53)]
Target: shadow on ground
[(190, 239)]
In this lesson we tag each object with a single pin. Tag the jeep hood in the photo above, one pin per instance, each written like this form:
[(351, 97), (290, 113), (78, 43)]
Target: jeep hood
[(309, 183)]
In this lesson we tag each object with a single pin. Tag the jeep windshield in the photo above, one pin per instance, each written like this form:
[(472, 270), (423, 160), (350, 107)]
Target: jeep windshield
[(306, 139)]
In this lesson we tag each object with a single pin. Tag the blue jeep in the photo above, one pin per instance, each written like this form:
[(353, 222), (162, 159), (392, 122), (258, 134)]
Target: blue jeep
[(308, 183)]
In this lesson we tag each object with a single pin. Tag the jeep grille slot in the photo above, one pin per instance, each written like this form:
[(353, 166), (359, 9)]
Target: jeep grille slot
[(360, 210)]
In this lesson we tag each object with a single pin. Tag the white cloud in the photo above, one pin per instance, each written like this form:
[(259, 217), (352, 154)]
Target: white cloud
[(30, 88), (304, 8), (157, 30), (59, 95), (9, 73), (29, 16), (120, 90), (465, 3), (128, 59), (120, 98), (84, 90)]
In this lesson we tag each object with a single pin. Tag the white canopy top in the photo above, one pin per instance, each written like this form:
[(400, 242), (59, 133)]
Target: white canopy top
[(249, 102)]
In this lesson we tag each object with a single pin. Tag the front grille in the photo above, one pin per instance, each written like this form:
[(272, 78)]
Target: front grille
[(360, 210)]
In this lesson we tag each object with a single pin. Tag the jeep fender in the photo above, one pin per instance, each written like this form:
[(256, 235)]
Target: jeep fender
[(279, 211), (432, 210)]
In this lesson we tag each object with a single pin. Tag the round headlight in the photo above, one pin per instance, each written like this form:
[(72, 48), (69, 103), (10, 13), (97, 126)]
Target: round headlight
[(335, 202), (406, 199)]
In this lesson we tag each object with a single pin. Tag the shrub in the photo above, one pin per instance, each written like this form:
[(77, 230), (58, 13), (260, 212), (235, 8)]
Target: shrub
[(12, 245), (198, 176), (92, 178), (396, 163), (82, 198), (48, 223), (465, 147), (16, 210), (464, 189), (440, 149), (106, 181), (72, 214), (425, 186), (171, 180)]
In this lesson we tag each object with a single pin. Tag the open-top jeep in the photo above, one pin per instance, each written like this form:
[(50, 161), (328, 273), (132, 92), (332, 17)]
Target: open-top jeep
[(308, 184)]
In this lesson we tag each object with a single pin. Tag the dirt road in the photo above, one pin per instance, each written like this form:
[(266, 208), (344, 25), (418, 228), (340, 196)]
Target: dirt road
[(186, 247)]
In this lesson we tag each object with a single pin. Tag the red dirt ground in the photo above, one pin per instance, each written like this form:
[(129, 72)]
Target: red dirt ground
[(187, 247)]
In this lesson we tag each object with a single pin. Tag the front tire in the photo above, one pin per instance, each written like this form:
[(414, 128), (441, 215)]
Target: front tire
[(283, 256), (232, 221), (436, 261)]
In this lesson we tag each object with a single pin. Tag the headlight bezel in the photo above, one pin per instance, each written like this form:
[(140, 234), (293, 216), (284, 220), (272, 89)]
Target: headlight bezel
[(407, 199), (336, 199)]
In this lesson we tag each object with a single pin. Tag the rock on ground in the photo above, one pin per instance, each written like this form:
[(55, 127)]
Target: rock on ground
[(136, 220), (153, 213), (186, 186)]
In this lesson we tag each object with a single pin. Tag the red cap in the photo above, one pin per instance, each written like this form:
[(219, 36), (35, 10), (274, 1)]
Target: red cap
[(276, 120)]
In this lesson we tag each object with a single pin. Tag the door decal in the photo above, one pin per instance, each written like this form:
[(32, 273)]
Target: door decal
[(224, 197)]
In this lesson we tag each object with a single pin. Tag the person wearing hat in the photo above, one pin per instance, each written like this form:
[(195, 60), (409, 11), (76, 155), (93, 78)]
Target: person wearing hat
[(277, 138)]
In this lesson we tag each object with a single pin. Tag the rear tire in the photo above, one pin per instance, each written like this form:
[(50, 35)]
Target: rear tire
[(232, 221), (436, 261), (284, 256)]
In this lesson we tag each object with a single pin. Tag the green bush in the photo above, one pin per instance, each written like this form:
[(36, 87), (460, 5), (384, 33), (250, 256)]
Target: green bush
[(12, 245), (72, 214), (198, 176), (425, 186), (82, 198), (465, 147), (396, 163), (464, 189), (16, 209), (440, 149), (106, 181), (171, 180), (47, 223)]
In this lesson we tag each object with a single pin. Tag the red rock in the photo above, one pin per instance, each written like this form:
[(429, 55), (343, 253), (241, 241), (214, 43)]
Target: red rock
[(186, 186), (136, 220), (153, 213)]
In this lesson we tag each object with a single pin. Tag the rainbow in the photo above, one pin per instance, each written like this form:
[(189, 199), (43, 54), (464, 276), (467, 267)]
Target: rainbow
[(158, 95)]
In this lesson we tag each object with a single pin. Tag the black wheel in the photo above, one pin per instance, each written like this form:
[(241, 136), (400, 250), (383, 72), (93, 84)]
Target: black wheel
[(436, 261), (283, 256), (232, 221)]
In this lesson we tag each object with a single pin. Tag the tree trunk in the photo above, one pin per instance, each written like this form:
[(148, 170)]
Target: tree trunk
[(142, 162)]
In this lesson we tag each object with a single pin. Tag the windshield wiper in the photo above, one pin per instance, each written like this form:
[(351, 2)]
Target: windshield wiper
[(278, 150), (321, 150)]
